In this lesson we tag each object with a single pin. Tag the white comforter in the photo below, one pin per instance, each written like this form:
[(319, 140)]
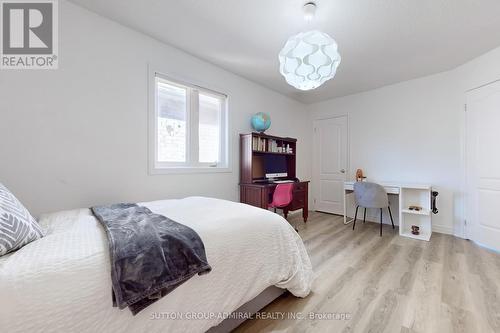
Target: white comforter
[(61, 283)]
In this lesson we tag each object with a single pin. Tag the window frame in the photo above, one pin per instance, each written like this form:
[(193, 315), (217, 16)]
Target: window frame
[(192, 164)]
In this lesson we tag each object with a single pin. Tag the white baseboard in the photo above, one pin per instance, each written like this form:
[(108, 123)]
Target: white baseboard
[(442, 229), (486, 247)]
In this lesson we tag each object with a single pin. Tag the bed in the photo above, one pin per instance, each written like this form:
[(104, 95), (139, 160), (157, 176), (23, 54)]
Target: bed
[(61, 282)]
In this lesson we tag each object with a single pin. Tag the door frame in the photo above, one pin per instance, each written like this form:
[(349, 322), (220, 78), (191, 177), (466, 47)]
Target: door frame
[(465, 228), (314, 178)]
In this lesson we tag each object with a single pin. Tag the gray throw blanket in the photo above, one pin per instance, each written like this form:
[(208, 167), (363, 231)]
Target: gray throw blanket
[(150, 254)]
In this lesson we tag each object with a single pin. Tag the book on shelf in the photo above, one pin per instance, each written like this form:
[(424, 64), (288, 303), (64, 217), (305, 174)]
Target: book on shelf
[(259, 144), (271, 145)]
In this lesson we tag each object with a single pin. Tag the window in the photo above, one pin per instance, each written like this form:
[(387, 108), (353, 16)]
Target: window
[(189, 127)]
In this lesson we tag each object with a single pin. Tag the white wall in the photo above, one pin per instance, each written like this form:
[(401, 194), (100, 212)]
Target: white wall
[(77, 136), (413, 132)]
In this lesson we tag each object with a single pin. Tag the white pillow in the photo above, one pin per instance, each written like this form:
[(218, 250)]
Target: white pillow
[(17, 226)]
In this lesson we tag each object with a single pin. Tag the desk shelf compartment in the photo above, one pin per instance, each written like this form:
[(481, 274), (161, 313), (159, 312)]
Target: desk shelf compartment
[(417, 212), (415, 196)]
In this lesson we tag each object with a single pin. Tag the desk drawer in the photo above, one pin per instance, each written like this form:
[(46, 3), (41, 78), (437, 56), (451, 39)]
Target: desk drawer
[(300, 187)]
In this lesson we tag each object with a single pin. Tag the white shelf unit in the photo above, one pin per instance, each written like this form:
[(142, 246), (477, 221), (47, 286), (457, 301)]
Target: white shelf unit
[(417, 212), (415, 195)]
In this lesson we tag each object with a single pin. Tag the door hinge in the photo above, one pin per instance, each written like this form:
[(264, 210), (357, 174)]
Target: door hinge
[(465, 222), (465, 107), (314, 200)]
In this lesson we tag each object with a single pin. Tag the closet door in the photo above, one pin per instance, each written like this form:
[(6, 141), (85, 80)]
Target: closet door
[(483, 165)]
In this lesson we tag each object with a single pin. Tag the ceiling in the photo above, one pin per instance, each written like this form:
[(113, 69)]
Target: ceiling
[(381, 41)]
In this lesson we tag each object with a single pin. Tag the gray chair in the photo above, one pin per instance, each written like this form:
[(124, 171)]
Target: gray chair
[(371, 195)]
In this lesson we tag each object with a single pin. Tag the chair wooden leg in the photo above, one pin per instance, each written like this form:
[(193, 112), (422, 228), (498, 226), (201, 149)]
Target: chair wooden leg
[(355, 216), (390, 214), (364, 216), (380, 222)]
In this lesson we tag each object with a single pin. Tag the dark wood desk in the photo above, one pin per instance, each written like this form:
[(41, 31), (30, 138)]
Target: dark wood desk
[(260, 194)]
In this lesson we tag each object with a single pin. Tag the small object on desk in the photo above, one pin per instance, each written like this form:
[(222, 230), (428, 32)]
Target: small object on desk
[(416, 208), (261, 121), (415, 230), (359, 175)]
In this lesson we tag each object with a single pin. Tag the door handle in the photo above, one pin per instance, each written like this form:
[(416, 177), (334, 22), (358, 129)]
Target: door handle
[(342, 170)]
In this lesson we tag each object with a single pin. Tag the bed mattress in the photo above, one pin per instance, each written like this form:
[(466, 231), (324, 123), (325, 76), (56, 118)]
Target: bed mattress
[(61, 283)]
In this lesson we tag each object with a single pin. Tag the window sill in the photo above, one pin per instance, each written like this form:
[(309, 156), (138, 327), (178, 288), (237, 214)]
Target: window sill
[(187, 170)]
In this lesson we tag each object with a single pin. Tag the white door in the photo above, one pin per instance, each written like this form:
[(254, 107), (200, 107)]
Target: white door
[(483, 166), (330, 164)]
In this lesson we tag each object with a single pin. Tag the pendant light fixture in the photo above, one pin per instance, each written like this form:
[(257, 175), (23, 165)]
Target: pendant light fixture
[(310, 58)]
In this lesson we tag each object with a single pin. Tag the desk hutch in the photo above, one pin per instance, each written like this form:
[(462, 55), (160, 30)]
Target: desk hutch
[(255, 189)]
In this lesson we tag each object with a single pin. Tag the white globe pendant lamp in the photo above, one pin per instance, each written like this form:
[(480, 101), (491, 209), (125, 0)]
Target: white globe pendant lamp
[(310, 58)]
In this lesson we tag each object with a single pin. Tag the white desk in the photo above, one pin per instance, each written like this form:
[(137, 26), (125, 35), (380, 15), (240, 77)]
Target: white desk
[(408, 194)]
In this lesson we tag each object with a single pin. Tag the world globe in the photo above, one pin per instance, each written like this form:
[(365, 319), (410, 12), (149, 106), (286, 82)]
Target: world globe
[(261, 121)]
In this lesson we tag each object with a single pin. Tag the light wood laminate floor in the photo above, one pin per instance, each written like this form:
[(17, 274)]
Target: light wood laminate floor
[(389, 283)]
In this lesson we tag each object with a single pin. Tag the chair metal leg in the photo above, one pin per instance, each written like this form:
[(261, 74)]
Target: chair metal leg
[(355, 216), (364, 216), (380, 222), (390, 214)]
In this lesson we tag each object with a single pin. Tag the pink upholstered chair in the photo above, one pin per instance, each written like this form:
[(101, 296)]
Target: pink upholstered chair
[(282, 196)]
